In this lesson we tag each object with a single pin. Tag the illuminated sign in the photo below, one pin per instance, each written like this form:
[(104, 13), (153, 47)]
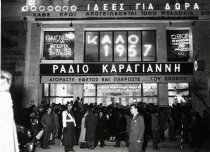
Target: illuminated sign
[(120, 46), (116, 10), (112, 7), (178, 45), (116, 69), (58, 45)]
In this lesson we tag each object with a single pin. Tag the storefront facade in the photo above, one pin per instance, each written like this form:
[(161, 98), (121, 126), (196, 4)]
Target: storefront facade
[(112, 51)]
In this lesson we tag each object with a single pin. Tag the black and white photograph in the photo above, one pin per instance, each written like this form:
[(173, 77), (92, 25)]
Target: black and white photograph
[(105, 76)]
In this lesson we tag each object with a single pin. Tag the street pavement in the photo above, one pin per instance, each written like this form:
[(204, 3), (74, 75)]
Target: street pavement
[(110, 148)]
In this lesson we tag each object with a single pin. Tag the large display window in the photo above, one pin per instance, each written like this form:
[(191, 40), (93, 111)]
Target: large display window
[(123, 94), (58, 93), (120, 46)]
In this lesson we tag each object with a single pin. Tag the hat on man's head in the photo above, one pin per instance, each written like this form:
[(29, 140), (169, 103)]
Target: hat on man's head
[(69, 104)]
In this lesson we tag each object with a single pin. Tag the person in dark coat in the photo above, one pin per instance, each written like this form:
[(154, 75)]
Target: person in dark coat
[(155, 129), (121, 131), (136, 130), (101, 128), (90, 125), (47, 122), (69, 124), (196, 132)]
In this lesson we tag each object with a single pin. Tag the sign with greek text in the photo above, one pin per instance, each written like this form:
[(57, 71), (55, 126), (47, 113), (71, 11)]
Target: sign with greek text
[(58, 45), (117, 79), (76, 69), (178, 45), (117, 10)]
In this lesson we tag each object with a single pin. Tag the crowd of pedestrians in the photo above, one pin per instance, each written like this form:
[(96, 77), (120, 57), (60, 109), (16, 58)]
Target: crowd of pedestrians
[(90, 125)]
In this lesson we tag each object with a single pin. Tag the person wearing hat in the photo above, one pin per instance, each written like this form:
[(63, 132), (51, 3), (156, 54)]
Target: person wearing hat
[(69, 124)]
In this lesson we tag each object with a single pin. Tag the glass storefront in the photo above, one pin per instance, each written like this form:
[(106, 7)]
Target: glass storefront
[(58, 93), (103, 93), (120, 93), (177, 92)]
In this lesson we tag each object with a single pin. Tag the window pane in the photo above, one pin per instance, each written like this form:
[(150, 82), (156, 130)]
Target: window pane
[(148, 46), (150, 89), (46, 89), (178, 89), (150, 100), (106, 46), (89, 100), (178, 45), (89, 90), (58, 45), (91, 47), (61, 90), (120, 46), (134, 46)]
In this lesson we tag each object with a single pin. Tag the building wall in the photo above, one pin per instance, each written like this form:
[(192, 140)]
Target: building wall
[(34, 86)]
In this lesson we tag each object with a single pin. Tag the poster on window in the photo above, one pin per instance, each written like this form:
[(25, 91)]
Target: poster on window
[(178, 45), (58, 45)]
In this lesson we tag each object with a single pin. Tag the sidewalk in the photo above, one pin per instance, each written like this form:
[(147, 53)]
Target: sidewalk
[(164, 147)]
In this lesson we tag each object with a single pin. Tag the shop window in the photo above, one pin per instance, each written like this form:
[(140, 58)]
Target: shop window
[(91, 47), (89, 93), (106, 45), (179, 44), (58, 93), (123, 94), (149, 93), (120, 46), (148, 46), (178, 92), (150, 89), (58, 45)]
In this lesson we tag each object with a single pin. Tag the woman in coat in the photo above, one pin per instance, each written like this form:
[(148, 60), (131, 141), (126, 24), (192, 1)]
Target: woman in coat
[(82, 141), (69, 124)]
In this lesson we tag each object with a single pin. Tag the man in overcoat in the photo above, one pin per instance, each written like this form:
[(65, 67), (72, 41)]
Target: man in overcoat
[(90, 125), (136, 130)]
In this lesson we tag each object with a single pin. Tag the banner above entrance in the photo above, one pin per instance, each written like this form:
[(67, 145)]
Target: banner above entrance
[(138, 68)]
